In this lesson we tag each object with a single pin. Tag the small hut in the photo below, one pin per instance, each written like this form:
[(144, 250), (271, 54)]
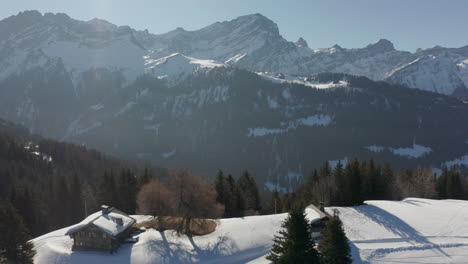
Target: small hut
[(318, 224), (104, 230)]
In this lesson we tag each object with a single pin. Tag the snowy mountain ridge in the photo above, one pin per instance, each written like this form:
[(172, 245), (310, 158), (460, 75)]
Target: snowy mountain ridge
[(253, 42), (436, 73)]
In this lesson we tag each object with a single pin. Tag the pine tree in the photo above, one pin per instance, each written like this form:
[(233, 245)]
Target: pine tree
[(325, 170), (63, 208), (76, 202), (220, 186), (145, 178), (449, 184), (107, 190), (333, 245), (340, 182), (370, 180), (354, 190), (30, 208), (249, 194), (127, 192), (294, 243), (14, 244), (306, 191), (387, 183), (233, 205)]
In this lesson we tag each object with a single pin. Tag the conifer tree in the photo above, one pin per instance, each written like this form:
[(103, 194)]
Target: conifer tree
[(333, 245), (26, 202), (306, 192), (340, 182), (220, 186), (449, 184), (145, 178), (233, 205), (387, 182), (325, 170), (353, 175), (294, 243), (127, 192), (107, 190), (76, 202), (370, 180), (14, 245), (249, 194)]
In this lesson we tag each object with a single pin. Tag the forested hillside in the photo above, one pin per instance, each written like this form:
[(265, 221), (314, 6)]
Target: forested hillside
[(49, 182)]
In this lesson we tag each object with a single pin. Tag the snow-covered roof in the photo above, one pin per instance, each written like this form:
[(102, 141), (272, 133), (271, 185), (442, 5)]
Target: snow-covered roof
[(110, 221), (319, 213)]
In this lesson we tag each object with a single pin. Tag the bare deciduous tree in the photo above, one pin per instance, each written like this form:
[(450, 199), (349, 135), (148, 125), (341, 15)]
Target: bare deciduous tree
[(420, 183), (156, 199), (194, 198)]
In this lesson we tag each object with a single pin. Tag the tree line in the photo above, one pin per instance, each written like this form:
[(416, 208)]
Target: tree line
[(358, 181)]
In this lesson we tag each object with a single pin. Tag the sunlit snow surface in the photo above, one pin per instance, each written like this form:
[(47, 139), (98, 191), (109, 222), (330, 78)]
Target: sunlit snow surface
[(414, 230), (236, 240), (462, 161), (314, 120), (177, 67), (410, 231), (284, 78), (415, 151)]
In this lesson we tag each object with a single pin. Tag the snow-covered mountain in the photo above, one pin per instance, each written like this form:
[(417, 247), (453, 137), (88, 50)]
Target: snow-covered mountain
[(253, 42), (177, 67), (435, 73), (408, 231), (216, 97)]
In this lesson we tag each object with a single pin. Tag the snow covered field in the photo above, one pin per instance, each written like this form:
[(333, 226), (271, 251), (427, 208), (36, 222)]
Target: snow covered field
[(410, 231)]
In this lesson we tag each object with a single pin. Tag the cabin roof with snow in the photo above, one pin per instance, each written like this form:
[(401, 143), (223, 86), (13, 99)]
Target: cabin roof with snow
[(109, 220), (321, 213)]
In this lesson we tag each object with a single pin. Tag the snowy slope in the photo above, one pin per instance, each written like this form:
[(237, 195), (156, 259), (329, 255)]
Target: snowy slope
[(80, 46), (410, 231), (236, 240), (177, 67), (433, 73), (307, 81)]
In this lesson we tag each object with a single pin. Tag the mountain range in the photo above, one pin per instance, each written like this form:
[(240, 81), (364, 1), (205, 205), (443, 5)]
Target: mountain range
[(233, 95)]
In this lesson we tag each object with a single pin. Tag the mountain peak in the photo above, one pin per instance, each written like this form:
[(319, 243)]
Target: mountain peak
[(23, 18), (301, 43), (101, 25), (336, 46), (383, 45), (257, 20), (29, 13)]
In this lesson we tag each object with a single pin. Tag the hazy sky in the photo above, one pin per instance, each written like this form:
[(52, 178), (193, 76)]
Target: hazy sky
[(409, 24)]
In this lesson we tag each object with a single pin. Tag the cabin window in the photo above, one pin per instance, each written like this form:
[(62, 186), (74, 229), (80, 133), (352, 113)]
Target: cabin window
[(103, 235)]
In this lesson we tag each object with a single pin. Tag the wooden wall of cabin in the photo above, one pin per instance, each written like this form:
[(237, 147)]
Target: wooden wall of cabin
[(92, 238)]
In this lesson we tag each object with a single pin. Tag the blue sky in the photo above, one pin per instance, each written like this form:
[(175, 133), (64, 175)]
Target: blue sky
[(409, 24)]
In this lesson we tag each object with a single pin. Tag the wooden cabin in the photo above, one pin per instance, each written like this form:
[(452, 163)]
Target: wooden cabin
[(318, 224), (104, 230)]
